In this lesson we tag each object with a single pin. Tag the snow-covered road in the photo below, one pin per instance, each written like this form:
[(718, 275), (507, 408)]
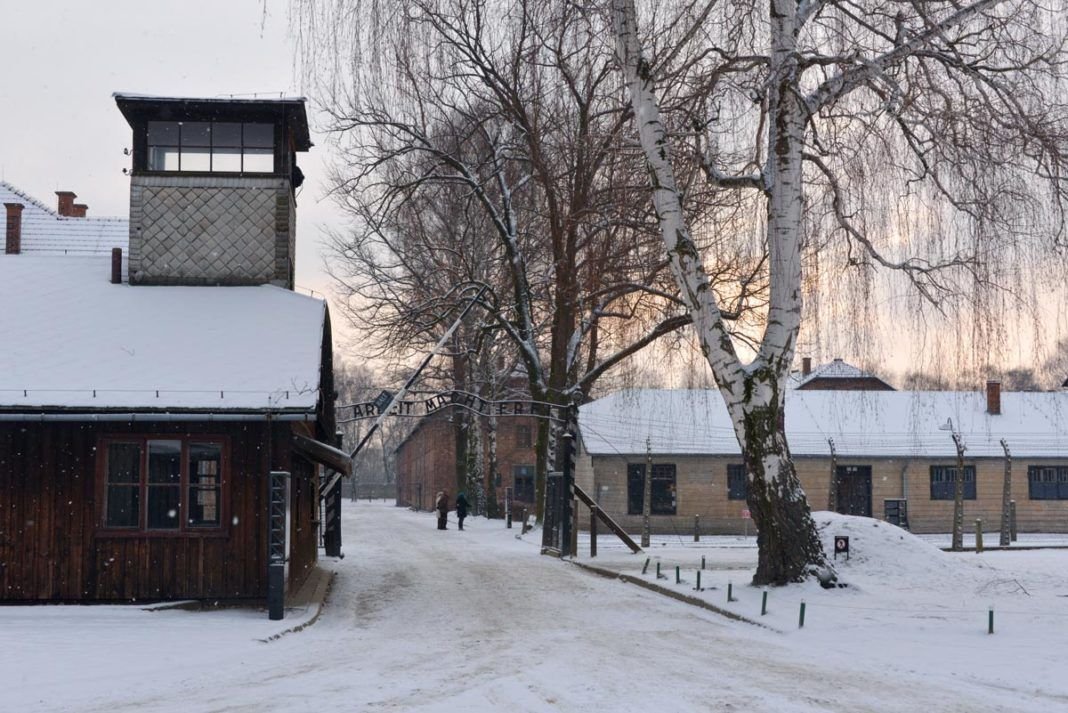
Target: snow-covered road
[(452, 621)]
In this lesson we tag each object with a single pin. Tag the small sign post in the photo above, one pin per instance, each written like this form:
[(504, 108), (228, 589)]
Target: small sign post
[(841, 546)]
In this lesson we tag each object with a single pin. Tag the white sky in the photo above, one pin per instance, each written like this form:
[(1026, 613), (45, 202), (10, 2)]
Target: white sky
[(62, 60)]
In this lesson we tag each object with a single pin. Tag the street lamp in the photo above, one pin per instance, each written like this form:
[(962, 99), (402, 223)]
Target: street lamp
[(958, 489)]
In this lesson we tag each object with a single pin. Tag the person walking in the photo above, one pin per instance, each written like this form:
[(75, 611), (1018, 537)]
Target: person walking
[(441, 504), (461, 508)]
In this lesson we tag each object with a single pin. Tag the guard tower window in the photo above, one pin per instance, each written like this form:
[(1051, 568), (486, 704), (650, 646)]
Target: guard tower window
[(210, 147)]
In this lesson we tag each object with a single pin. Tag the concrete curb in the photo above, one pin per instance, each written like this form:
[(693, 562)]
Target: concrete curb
[(316, 594), (678, 596)]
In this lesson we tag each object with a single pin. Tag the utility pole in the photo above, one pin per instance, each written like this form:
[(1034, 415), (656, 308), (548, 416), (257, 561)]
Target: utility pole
[(1006, 498), (958, 496), (647, 491), (832, 491)]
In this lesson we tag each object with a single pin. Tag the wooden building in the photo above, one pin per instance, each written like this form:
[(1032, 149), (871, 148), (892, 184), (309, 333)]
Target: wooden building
[(154, 371), (884, 448)]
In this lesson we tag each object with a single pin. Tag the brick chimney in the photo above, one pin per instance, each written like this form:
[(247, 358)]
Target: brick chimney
[(993, 397), (806, 366), (13, 241), (78, 210), (66, 203)]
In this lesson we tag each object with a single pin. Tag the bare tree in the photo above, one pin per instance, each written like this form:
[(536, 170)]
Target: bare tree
[(825, 112), (507, 116)]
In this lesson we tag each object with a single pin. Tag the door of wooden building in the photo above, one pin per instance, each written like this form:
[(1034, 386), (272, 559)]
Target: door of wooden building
[(854, 490)]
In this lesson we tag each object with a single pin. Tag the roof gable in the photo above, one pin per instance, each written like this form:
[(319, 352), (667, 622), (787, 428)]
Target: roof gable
[(46, 232)]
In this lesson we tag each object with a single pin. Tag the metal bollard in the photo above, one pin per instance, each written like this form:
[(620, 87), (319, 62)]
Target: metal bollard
[(698, 588), (645, 567), (801, 616), (702, 561), (730, 591), (764, 602), (678, 575), (696, 528), (990, 620)]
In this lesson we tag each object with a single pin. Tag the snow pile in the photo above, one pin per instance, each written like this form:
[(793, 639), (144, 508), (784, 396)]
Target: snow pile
[(884, 553)]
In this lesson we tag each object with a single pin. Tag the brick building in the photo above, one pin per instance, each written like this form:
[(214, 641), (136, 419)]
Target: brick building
[(426, 461), (889, 447)]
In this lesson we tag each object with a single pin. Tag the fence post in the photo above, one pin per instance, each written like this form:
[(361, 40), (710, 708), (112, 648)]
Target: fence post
[(801, 616), (574, 527), (1006, 497), (978, 535), (764, 602), (696, 528), (1012, 520), (508, 508), (593, 531)]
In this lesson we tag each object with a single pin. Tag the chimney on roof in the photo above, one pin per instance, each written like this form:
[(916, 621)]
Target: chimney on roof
[(806, 366), (78, 210), (13, 241), (65, 206), (993, 397)]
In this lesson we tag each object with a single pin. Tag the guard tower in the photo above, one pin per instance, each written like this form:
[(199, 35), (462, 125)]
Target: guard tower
[(212, 189)]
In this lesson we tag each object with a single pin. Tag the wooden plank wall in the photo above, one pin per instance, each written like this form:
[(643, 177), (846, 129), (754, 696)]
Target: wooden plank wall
[(49, 547)]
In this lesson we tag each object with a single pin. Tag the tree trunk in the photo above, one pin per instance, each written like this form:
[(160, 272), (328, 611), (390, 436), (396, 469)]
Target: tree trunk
[(787, 540)]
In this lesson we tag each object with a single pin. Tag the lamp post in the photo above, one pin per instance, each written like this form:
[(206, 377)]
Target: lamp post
[(958, 489)]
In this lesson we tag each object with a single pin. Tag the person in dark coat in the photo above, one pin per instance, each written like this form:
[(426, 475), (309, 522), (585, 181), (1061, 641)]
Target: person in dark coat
[(441, 504), (461, 508)]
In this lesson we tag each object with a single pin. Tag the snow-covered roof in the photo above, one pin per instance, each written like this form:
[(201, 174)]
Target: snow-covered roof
[(72, 340), (836, 369), (46, 232), (861, 423)]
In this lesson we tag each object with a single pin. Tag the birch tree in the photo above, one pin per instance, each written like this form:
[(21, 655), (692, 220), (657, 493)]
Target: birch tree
[(821, 111)]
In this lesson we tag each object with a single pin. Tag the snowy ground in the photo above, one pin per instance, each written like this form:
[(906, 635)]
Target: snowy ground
[(479, 621)]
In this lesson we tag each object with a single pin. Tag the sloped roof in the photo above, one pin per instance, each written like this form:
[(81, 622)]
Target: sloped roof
[(837, 369), (72, 340), (46, 232), (861, 423)]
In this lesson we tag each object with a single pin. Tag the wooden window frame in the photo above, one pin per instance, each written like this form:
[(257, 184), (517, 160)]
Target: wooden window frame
[(948, 486), (1047, 482), (184, 529), (661, 473)]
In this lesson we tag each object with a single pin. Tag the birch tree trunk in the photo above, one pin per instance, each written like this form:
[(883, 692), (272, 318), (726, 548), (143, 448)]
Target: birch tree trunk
[(789, 545)]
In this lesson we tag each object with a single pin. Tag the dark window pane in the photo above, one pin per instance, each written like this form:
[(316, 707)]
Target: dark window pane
[(196, 133), (162, 158), (164, 461), (662, 495), (163, 133), (943, 482), (123, 505), (635, 488), (259, 161), (196, 159), (162, 508), (259, 135), (737, 483), (226, 134), (124, 463), (523, 479)]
